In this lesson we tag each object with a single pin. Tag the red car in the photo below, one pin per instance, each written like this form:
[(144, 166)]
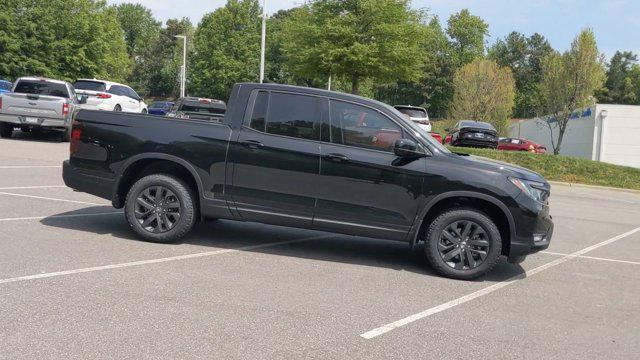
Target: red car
[(512, 144), (436, 136)]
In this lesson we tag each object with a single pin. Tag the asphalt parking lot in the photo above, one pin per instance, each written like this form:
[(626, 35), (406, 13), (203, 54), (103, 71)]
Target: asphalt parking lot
[(76, 283)]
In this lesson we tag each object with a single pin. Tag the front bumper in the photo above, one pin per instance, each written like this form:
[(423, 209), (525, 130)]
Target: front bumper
[(40, 122), (537, 239)]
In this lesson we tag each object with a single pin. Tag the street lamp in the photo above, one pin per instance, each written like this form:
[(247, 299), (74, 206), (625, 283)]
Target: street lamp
[(183, 70), (264, 38)]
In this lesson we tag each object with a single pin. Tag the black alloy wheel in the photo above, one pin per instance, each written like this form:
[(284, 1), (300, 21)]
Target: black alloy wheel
[(157, 209), (463, 245)]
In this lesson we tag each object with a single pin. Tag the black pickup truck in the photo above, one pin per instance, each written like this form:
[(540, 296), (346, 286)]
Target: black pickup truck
[(314, 159)]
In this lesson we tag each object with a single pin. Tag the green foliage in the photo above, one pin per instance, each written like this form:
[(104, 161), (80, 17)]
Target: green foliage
[(524, 57), (569, 82), (623, 80), (484, 92), (226, 49), (65, 39), (467, 33), (565, 169), (356, 40)]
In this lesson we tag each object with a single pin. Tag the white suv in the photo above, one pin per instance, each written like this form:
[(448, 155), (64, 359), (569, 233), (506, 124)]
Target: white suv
[(110, 96)]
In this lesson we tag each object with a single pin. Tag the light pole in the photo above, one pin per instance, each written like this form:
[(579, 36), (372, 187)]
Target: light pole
[(183, 70), (264, 38)]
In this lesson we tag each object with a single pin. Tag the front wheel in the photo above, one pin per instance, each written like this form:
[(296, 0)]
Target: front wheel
[(160, 208), (463, 244), (6, 130)]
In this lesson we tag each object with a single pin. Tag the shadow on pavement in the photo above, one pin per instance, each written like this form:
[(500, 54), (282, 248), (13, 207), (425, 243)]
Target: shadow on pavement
[(37, 136), (229, 234)]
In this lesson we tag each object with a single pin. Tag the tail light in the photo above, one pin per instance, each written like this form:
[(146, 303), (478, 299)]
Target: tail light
[(76, 134), (104, 96), (65, 109)]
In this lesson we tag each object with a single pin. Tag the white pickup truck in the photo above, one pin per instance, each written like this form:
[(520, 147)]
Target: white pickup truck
[(38, 104)]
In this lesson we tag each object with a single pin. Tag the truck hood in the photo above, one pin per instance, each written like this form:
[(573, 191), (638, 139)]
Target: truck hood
[(501, 167)]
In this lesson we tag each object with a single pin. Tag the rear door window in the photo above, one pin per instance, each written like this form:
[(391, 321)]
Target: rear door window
[(42, 87), (360, 126), (294, 115), (117, 90)]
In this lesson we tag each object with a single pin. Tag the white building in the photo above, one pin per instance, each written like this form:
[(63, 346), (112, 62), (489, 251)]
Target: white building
[(608, 133)]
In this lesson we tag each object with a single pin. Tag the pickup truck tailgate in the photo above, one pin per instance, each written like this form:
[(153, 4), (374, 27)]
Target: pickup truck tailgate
[(33, 105)]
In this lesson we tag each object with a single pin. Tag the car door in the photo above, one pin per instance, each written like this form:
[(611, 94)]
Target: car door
[(276, 159), (118, 97), (364, 188), (133, 100)]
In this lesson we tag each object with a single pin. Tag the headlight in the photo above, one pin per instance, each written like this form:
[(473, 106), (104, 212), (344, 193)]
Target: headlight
[(533, 189)]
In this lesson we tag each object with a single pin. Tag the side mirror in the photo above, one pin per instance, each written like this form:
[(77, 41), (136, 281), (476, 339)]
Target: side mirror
[(406, 148)]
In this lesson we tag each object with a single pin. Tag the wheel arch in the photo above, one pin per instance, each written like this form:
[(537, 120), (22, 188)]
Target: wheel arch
[(498, 212), (144, 164)]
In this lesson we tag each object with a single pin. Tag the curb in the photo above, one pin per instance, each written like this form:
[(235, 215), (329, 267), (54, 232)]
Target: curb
[(595, 187)]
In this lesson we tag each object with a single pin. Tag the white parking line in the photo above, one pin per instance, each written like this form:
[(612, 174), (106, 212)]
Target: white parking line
[(155, 261), (53, 199), (489, 289), (593, 258), (60, 216), (29, 166), (32, 187)]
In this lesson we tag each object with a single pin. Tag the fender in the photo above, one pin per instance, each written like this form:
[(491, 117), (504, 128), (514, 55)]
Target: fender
[(413, 234), (159, 156)]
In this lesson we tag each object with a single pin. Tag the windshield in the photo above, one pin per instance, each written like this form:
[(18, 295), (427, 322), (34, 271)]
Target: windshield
[(42, 87), (90, 85), (4, 85), (413, 112), (159, 105), (418, 131)]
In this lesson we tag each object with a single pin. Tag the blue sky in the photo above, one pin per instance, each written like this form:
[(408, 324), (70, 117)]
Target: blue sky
[(615, 22)]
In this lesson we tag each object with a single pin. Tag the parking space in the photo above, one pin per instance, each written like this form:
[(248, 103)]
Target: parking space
[(75, 282)]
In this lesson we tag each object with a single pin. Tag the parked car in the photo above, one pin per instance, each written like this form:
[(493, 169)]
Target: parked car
[(471, 133), (513, 144), (417, 114), (160, 107), (38, 104), (198, 108), (308, 158), (110, 96), (5, 86)]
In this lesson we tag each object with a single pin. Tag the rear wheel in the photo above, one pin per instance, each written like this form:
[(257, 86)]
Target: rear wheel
[(463, 244), (6, 130), (117, 108), (160, 208), (144, 111)]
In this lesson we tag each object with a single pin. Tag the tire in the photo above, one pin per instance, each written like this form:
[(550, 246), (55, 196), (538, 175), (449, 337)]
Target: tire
[(6, 130), (65, 136), (482, 237), (147, 190), (118, 108), (144, 111)]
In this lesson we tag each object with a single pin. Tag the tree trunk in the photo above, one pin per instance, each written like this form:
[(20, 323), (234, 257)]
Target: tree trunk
[(355, 84), (556, 149)]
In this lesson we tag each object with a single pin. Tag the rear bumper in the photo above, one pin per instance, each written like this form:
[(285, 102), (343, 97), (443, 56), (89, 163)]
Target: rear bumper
[(102, 106), (81, 180), (42, 122)]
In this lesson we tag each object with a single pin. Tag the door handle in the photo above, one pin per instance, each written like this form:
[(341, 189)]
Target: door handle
[(253, 144), (336, 157)]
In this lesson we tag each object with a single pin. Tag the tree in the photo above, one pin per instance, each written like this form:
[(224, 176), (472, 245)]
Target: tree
[(81, 38), (467, 33), (524, 57), (226, 49), (622, 83), (569, 81), (484, 92), (355, 40)]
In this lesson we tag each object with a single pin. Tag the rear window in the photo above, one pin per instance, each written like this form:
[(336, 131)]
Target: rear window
[(477, 124), (202, 107), (413, 112), (90, 85), (42, 87), (5, 85)]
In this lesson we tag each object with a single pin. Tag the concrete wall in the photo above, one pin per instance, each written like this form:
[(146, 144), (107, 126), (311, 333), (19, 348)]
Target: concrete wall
[(620, 138), (578, 139)]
